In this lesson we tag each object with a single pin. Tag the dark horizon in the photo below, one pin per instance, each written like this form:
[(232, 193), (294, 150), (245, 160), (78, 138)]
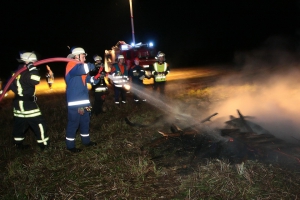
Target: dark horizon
[(190, 34)]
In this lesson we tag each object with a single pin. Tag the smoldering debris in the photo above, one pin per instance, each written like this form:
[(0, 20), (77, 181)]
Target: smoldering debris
[(238, 141)]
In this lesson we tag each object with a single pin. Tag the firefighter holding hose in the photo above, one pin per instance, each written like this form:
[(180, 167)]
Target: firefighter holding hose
[(79, 107), (137, 75), (119, 76), (100, 89), (26, 111)]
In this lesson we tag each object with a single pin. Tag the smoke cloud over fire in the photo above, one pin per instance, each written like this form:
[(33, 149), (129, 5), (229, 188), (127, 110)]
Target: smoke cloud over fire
[(267, 88)]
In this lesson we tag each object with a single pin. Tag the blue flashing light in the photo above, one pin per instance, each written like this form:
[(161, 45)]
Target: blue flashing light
[(132, 44), (150, 44)]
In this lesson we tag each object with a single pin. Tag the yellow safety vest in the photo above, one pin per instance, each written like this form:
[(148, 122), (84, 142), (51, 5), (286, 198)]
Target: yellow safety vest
[(160, 69)]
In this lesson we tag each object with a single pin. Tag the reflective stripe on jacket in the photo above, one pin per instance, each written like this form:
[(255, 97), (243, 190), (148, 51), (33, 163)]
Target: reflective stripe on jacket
[(160, 69), (76, 78)]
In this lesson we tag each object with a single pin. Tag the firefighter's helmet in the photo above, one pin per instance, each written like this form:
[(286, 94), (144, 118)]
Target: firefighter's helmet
[(137, 59), (120, 57), (27, 57), (160, 54), (76, 51), (96, 57)]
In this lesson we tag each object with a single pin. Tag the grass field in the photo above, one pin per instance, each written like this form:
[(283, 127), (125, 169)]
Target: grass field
[(126, 163)]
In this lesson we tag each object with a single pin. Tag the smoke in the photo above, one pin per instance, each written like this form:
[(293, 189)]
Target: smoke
[(267, 88)]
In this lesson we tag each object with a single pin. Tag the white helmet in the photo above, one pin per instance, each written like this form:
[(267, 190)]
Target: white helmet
[(160, 54), (27, 57), (76, 51), (120, 56), (97, 58)]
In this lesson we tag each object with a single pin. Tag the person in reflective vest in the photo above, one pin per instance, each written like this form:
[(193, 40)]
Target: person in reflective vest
[(79, 106), (137, 75), (119, 76), (160, 70), (100, 89), (26, 111)]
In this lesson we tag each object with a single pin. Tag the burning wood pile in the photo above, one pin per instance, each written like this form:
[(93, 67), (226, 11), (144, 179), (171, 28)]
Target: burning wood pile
[(242, 140)]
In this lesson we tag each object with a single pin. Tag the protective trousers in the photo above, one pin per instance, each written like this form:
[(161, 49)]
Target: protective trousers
[(160, 85), (36, 123), (118, 91), (76, 120), (98, 103)]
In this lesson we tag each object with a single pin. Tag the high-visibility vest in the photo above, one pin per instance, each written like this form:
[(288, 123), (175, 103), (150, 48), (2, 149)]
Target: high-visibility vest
[(119, 79), (160, 69)]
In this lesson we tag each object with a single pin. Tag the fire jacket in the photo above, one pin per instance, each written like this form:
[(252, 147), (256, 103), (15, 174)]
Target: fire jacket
[(24, 89), (76, 78), (119, 76), (160, 70), (137, 73), (101, 85)]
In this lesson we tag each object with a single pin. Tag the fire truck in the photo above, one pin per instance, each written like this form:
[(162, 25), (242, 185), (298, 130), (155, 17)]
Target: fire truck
[(145, 52)]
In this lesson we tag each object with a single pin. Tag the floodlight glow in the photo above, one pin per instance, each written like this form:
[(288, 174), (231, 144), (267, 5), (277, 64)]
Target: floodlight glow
[(132, 44), (150, 44), (124, 47)]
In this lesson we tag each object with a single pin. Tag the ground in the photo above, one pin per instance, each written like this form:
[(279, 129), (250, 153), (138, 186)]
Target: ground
[(132, 162)]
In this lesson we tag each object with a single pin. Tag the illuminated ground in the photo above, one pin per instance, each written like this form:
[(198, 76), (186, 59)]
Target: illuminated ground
[(182, 74)]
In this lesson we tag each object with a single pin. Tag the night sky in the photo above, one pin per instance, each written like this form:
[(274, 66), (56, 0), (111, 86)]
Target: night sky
[(188, 32)]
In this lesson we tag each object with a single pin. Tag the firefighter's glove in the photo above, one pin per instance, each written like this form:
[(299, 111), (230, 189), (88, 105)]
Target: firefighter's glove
[(30, 66), (142, 77), (166, 73), (88, 108), (81, 111)]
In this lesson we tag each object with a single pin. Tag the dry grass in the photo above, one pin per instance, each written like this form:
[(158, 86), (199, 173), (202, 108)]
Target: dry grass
[(118, 169)]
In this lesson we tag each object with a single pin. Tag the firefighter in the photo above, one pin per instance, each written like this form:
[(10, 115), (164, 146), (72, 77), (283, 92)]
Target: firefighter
[(119, 73), (26, 111), (160, 70), (79, 107), (137, 75), (100, 89)]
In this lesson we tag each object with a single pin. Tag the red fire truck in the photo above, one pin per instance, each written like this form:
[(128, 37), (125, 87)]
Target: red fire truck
[(145, 52)]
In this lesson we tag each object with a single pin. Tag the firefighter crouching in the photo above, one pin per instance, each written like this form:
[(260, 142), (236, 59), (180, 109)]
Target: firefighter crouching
[(26, 111), (160, 70), (119, 77), (100, 89)]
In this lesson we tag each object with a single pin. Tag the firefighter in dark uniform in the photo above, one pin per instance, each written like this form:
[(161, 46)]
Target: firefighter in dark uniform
[(160, 70), (26, 111), (100, 89), (137, 75)]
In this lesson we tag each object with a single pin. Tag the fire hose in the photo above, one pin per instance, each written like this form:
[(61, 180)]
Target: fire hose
[(40, 62)]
